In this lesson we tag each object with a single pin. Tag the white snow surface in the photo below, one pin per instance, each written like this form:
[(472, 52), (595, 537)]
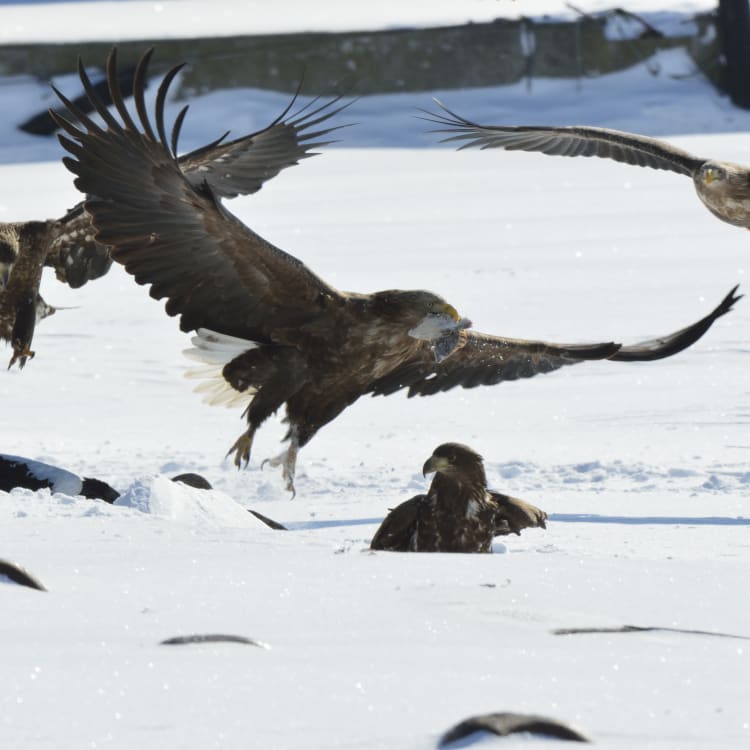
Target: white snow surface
[(643, 468), (140, 19)]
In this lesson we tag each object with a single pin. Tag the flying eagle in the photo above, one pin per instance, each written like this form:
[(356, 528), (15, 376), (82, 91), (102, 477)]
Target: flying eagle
[(723, 187), (271, 331), (458, 513), (231, 167)]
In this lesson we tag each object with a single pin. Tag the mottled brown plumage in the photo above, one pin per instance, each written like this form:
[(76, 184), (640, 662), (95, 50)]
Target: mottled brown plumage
[(22, 249), (458, 513), (723, 187), (269, 331)]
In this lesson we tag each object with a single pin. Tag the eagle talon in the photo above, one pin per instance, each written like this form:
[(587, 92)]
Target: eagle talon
[(241, 450), (21, 357), (287, 460)]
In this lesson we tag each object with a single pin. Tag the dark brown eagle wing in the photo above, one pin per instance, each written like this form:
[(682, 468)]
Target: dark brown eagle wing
[(396, 530), (214, 271), (574, 140), (666, 346), (488, 360), (516, 515), (241, 166)]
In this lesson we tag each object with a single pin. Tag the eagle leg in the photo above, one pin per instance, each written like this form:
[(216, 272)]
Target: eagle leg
[(288, 461), (242, 447)]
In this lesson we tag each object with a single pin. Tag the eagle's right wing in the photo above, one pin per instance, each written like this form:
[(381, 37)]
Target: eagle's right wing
[(241, 166)]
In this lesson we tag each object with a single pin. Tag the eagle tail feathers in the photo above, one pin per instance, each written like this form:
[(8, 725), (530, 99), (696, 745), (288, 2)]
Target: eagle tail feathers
[(215, 350)]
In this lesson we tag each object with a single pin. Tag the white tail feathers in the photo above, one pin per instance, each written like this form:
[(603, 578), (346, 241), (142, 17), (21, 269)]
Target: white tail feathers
[(215, 350)]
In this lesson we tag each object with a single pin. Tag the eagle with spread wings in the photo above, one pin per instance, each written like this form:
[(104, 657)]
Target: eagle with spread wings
[(233, 167), (270, 332), (722, 186)]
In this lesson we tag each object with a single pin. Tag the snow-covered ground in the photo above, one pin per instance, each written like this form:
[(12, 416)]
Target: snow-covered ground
[(643, 468)]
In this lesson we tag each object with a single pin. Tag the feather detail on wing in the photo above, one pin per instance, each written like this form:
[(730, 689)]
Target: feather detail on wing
[(575, 140), (488, 360), (241, 166), (215, 272)]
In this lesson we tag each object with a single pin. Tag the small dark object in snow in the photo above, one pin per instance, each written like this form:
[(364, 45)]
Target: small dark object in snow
[(645, 629), (268, 521), (181, 640), (17, 471), (503, 724), (193, 480), (19, 575)]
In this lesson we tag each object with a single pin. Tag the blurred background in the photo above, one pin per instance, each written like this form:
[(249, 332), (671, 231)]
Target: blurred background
[(657, 66)]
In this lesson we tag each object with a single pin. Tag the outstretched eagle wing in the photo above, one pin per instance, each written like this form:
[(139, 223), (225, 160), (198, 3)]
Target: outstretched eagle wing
[(215, 272), (574, 140), (241, 166), (488, 360), (237, 167)]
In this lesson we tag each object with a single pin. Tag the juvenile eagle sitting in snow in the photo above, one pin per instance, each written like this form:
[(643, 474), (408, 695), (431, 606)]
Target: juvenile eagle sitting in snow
[(458, 513), (272, 331), (230, 167), (723, 187)]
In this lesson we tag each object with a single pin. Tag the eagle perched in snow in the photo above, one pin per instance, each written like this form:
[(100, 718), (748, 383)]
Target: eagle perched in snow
[(270, 331), (458, 513), (722, 186), (230, 167)]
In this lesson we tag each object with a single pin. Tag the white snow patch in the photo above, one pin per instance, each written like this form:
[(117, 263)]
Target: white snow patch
[(175, 501)]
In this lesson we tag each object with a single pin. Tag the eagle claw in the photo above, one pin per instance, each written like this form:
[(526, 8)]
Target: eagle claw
[(241, 450)]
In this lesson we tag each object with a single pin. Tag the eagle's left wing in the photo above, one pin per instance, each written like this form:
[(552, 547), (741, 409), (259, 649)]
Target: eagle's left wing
[(488, 360)]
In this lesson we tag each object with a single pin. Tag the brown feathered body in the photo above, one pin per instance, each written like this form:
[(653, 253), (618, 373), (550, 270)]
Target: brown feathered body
[(23, 247), (458, 513)]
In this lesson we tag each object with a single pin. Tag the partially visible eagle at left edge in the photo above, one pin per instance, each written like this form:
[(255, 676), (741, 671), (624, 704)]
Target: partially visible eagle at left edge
[(270, 331)]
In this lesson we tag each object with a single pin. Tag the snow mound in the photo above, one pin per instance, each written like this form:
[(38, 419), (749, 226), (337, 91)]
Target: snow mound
[(161, 497)]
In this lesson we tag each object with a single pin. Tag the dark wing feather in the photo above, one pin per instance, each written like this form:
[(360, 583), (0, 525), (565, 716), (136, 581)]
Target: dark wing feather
[(515, 515), (241, 166), (488, 360), (398, 526), (630, 148), (215, 272), (666, 346)]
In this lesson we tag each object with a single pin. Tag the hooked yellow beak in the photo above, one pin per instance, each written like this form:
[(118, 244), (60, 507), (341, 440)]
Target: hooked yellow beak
[(451, 311), (434, 463)]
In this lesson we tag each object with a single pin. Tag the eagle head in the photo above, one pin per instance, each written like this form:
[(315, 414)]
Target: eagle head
[(437, 322), (456, 461), (711, 172)]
